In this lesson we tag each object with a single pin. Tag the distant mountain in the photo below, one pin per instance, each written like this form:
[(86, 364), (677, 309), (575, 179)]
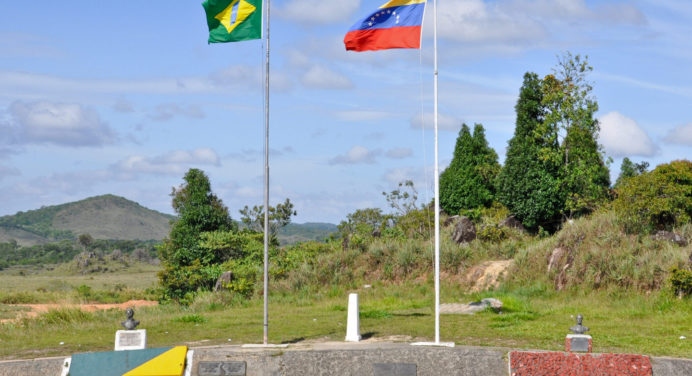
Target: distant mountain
[(115, 218), (102, 217), (297, 232)]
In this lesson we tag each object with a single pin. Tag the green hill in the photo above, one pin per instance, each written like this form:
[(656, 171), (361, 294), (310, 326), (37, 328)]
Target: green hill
[(102, 217), (116, 218), (301, 232)]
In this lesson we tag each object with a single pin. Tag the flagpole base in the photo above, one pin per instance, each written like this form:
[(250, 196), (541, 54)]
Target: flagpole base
[(434, 344)]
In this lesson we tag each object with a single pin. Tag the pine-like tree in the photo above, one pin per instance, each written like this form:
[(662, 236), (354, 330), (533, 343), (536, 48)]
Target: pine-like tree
[(183, 261), (468, 181), (528, 184)]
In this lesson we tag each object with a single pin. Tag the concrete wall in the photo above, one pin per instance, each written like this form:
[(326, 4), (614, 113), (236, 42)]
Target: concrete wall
[(347, 359)]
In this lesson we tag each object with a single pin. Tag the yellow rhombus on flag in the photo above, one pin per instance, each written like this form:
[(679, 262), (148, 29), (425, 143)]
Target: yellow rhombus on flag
[(233, 20)]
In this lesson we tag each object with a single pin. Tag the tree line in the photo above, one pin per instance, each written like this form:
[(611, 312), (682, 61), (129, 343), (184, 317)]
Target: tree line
[(554, 170)]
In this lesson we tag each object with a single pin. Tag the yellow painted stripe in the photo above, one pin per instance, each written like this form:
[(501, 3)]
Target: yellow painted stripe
[(170, 363), (398, 3)]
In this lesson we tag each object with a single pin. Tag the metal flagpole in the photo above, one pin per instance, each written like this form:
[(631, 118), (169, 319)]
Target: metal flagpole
[(437, 200), (266, 188), (437, 186)]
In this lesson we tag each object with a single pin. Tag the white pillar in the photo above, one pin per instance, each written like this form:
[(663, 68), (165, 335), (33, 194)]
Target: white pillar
[(353, 323)]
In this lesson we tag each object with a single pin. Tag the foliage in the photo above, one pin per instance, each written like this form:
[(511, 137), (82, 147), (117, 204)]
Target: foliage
[(629, 169), (417, 224), (187, 266), (681, 281), (555, 167), (569, 111), (468, 182), (656, 200), (39, 222), (403, 199), (50, 253), (529, 183), (363, 222), (279, 216), (242, 253)]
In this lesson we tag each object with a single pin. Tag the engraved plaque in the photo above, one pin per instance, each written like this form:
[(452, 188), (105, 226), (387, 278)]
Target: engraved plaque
[(221, 369), (580, 344), (130, 339), (395, 369)]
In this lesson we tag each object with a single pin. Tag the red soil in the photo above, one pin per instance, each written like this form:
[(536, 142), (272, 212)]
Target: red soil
[(37, 309)]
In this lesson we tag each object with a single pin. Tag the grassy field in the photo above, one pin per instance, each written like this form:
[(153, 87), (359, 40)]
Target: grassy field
[(532, 318)]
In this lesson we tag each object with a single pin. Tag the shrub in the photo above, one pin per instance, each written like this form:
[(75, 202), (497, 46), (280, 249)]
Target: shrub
[(492, 233), (658, 200), (681, 281)]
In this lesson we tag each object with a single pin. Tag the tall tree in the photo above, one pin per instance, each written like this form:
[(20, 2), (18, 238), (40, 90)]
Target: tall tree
[(468, 182), (199, 210), (279, 216), (629, 169), (569, 111), (529, 183)]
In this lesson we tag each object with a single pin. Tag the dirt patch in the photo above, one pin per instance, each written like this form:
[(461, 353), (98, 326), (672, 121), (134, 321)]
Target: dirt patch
[(36, 309), (488, 275)]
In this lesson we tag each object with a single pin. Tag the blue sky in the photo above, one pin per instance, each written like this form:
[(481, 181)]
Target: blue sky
[(123, 97)]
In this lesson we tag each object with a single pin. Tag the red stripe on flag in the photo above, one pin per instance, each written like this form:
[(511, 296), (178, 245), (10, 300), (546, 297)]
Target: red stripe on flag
[(382, 39)]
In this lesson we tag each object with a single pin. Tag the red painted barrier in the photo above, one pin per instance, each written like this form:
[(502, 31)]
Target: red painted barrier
[(570, 364)]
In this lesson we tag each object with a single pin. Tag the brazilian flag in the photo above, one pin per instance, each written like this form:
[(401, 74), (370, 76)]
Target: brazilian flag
[(233, 20)]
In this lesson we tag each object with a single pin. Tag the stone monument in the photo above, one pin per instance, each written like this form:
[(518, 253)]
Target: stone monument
[(578, 341), (132, 338)]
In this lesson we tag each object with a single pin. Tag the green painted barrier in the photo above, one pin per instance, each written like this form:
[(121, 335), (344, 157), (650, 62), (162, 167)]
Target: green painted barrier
[(114, 363)]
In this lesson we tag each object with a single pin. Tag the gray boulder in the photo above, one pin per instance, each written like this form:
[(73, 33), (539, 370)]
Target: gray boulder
[(671, 237), (223, 281), (513, 222), (464, 231), (450, 220), (471, 308)]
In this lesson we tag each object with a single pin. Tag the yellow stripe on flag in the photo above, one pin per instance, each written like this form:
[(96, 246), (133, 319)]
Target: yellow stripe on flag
[(170, 363), (398, 3)]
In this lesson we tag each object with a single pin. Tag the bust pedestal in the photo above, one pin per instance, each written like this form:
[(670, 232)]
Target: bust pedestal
[(130, 339), (578, 343)]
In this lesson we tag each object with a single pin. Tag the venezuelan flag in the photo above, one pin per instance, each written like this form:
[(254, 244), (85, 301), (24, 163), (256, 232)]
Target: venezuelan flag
[(396, 24)]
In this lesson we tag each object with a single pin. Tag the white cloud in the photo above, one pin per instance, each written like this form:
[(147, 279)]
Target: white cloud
[(399, 153), (478, 21), (320, 77), (527, 23), (318, 11), (444, 122), (235, 78), (65, 124), (123, 105), (357, 155), (681, 135), (622, 136), (167, 111), (174, 162), (363, 115), (250, 155)]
